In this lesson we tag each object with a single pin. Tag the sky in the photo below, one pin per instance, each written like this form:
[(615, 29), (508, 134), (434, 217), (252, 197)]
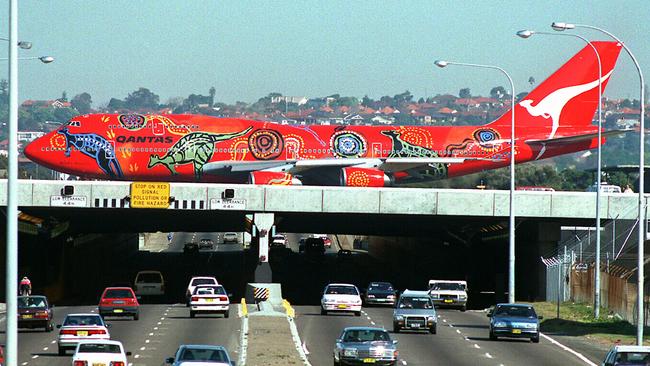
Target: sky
[(247, 49)]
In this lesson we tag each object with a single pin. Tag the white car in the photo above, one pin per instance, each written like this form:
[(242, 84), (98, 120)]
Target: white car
[(446, 293), (230, 238), (209, 299), (279, 241), (81, 327), (100, 353), (149, 283), (341, 297), (196, 281)]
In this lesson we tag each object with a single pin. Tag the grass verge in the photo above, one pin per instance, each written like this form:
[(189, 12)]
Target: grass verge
[(578, 320)]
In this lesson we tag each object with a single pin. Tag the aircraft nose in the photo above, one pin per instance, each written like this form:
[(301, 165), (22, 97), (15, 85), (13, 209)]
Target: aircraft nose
[(41, 150)]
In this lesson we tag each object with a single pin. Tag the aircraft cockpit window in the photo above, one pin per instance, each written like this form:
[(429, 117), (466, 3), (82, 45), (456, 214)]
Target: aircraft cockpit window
[(74, 124)]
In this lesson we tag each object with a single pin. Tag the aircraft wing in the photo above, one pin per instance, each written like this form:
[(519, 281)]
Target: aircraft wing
[(576, 138), (299, 166)]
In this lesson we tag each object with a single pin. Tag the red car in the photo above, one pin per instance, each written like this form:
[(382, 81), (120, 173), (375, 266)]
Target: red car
[(119, 301)]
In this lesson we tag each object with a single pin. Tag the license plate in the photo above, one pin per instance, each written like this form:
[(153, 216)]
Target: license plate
[(369, 360), (118, 310), (516, 331), (341, 306), (27, 316), (448, 300), (82, 333), (209, 300), (98, 364), (118, 302), (415, 325)]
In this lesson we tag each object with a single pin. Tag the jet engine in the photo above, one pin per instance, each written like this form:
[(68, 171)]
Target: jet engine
[(273, 178), (364, 177)]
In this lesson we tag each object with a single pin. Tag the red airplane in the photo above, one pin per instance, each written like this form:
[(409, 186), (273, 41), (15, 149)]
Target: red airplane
[(554, 119)]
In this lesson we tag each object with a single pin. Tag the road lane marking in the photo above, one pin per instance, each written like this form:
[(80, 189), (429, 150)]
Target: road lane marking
[(458, 331), (146, 341), (403, 362), (477, 346), (24, 363), (53, 342), (142, 348), (371, 322), (575, 353), (243, 341), (488, 355), (136, 356), (150, 334), (45, 348), (35, 357)]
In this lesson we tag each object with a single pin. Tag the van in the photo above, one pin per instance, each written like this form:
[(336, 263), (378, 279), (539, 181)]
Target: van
[(604, 188), (149, 283)]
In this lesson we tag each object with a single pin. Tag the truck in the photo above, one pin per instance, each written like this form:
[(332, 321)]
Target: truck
[(449, 294)]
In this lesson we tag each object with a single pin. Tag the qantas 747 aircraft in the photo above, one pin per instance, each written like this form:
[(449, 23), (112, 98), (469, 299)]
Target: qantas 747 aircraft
[(554, 119)]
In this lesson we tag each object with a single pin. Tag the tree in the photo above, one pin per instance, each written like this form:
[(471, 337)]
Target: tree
[(367, 102), (464, 93), (212, 92), (115, 105), (497, 92), (64, 96), (421, 100), (82, 102), (142, 98)]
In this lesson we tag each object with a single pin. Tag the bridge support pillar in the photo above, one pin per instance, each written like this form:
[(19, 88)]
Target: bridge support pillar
[(540, 238), (263, 223)]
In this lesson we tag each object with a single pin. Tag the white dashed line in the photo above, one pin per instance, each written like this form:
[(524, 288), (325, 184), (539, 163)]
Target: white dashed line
[(35, 357), (150, 334), (488, 355), (403, 362), (136, 356), (53, 342), (477, 346), (45, 348), (146, 341), (451, 325), (458, 331), (371, 322), (142, 348), (24, 363)]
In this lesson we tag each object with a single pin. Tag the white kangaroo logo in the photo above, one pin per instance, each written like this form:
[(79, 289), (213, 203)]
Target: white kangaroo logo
[(551, 106)]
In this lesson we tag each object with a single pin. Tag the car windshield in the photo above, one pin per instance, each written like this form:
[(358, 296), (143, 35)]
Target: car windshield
[(149, 278), (99, 348), (515, 311), (415, 303), (32, 302), (203, 281), (363, 335), (206, 240), (83, 320), (341, 290), (202, 354), (632, 358), (118, 294), (209, 290), (380, 286), (447, 286)]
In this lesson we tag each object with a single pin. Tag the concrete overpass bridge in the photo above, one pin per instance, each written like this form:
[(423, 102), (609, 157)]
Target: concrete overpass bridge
[(472, 221)]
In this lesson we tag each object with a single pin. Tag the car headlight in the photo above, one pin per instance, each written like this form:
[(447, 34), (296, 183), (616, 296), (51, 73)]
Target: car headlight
[(330, 301), (390, 296), (398, 317), (530, 325), (369, 296), (350, 352), (431, 319), (463, 297), (500, 324)]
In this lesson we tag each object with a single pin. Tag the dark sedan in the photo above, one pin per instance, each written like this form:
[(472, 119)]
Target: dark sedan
[(514, 321), (380, 293), (35, 312)]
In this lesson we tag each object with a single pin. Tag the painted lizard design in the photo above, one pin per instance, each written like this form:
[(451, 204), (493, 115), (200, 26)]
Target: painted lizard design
[(404, 149), (96, 147), (196, 148)]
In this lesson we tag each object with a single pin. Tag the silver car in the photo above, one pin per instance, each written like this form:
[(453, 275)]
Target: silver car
[(415, 311), (364, 345)]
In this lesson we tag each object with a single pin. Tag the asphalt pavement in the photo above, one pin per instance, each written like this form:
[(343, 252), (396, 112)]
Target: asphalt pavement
[(462, 339), (156, 336)]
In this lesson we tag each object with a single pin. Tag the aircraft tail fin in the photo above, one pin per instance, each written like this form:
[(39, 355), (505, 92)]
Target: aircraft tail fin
[(569, 97)]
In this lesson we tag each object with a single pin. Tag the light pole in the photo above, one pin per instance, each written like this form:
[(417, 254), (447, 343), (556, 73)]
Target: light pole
[(511, 245), (22, 44), (12, 188), (527, 34), (558, 26), (43, 59)]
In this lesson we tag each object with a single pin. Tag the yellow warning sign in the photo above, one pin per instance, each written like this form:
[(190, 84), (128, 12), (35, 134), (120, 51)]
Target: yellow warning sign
[(149, 195)]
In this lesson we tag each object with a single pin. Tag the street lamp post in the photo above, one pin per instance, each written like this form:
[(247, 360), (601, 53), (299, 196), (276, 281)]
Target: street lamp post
[(43, 59), (22, 44), (527, 34), (558, 26), (511, 245)]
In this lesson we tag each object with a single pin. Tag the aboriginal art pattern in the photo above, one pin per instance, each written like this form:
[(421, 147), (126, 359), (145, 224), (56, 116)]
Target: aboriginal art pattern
[(96, 147), (196, 148), (486, 138), (404, 149), (348, 144), (265, 144), (132, 122)]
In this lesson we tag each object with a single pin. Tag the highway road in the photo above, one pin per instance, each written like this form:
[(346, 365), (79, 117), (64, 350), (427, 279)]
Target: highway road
[(151, 339), (462, 339), (179, 239)]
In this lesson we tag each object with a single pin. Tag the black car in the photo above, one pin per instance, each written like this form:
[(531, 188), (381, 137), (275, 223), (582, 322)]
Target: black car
[(206, 243), (191, 247), (315, 246), (380, 293), (35, 312)]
